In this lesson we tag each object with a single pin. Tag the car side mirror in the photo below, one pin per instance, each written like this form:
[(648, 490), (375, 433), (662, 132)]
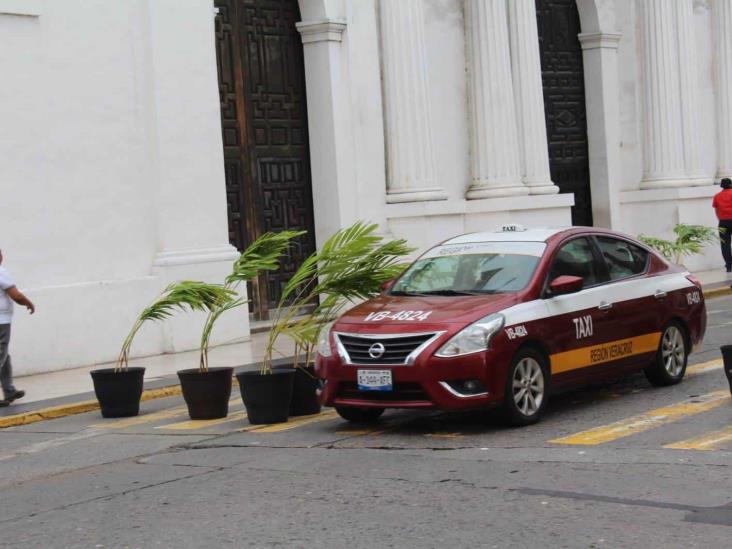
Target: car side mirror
[(386, 286), (565, 284)]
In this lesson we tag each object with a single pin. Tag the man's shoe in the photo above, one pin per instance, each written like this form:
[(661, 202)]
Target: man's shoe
[(4, 403), (15, 395)]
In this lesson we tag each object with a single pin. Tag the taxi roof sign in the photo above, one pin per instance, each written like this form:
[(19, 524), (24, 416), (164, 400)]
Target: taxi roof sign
[(511, 228)]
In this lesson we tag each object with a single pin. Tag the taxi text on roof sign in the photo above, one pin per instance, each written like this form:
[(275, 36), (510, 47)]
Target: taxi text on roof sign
[(512, 228)]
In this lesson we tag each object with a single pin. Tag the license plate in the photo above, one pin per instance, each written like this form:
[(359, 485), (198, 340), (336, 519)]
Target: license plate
[(375, 380)]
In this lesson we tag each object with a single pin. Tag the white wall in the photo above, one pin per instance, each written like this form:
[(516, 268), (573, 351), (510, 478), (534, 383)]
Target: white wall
[(656, 212), (110, 161)]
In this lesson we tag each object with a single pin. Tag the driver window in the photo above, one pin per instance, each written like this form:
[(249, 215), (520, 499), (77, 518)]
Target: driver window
[(575, 258)]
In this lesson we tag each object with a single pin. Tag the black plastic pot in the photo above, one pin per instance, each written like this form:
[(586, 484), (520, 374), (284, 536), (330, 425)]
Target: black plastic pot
[(266, 396), (206, 393), (119, 392), (727, 358), (304, 401)]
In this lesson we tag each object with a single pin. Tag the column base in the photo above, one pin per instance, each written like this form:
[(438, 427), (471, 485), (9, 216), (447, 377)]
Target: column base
[(700, 181), (722, 175), (398, 196), (477, 193), (670, 183), (546, 187)]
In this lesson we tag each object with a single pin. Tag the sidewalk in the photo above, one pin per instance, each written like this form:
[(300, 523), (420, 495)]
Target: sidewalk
[(71, 391)]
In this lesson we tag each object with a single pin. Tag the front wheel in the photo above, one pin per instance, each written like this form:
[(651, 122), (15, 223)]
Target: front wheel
[(669, 364), (360, 415), (526, 388)]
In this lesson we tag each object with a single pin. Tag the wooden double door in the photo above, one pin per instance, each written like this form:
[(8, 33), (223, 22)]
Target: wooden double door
[(564, 102), (264, 120)]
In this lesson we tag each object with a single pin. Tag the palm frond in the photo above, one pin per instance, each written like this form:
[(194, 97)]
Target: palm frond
[(262, 255), (179, 296), (351, 265), (690, 240)]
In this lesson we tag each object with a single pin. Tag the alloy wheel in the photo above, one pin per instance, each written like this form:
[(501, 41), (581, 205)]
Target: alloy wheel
[(528, 386), (673, 351)]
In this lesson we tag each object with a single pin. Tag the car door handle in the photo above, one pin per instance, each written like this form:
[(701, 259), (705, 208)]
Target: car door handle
[(660, 294), (605, 306)]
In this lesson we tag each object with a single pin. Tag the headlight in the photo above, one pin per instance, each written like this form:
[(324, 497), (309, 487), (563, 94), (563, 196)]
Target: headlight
[(323, 346), (476, 337)]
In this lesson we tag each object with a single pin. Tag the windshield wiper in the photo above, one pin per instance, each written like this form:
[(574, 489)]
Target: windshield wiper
[(447, 291)]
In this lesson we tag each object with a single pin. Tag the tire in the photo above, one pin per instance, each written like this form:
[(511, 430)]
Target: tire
[(360, 415), (669, 364), (524, 399)]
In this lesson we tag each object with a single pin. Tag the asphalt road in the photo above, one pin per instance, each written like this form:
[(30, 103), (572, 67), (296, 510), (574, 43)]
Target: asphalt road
[(622, 465)]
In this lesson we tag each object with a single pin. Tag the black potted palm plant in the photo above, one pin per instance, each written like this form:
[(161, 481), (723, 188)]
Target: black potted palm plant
[(352, 265), (207, 390), (119, 389)]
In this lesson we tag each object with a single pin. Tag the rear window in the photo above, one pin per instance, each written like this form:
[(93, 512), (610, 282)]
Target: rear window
[(472, 269), (622, 258)]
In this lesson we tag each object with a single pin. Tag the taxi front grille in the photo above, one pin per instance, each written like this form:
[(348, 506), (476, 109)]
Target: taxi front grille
[(402, 392), (388, 350)]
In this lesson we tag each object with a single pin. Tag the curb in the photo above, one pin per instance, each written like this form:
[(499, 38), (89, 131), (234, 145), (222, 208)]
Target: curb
[(83, 406), (63, 410), (716, 292)]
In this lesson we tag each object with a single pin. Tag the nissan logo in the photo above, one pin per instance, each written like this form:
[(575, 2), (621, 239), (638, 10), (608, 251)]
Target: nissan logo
[(377, 350)]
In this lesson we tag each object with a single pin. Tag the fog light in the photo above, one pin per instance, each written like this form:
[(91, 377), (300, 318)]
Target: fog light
[(467, 387)]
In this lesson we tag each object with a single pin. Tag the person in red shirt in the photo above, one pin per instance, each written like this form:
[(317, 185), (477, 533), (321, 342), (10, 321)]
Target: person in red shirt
[(722, 205)]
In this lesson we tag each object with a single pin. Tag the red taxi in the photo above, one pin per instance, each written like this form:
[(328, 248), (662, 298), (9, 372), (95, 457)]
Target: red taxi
[(509, 317)]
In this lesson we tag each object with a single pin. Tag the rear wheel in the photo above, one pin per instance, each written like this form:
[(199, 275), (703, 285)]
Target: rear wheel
[(669, 364), (360, 415), (526, 388)]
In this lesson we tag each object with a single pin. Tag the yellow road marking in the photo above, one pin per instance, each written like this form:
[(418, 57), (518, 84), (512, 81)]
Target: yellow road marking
[(204, 423), (292, 424), (704, 367), (63, 410), (445, 435), (139, 420), (648, 420), (709, 441), (362, 432), (604, 352)]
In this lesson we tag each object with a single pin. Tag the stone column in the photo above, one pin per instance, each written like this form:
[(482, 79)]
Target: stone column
[(666, 124), (722, 21), (529, 96), (600, 57), (495, 161), (689, 79), (411, 169), (329, 127)]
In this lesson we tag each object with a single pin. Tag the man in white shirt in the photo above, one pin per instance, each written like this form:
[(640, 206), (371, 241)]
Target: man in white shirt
[(8, 294)]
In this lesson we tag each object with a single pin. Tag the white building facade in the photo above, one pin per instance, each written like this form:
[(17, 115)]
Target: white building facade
[(144, 141)]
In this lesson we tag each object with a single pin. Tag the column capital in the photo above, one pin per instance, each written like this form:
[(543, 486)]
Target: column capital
[(325, 30), (600, 40)]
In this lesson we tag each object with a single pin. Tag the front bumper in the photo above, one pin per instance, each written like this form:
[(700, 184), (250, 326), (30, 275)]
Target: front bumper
[(419, 385)]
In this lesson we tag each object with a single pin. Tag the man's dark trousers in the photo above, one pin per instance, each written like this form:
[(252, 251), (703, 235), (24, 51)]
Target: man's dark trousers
[(6, 366)]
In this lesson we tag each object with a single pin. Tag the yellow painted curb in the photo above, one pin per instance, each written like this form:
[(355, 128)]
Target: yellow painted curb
[(63, 410), (716, 292)]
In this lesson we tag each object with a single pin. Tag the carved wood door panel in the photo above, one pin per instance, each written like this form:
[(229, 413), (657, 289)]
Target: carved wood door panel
[(264, 124), (564, 102)]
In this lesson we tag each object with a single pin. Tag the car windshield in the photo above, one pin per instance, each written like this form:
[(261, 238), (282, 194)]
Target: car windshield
[(471, 269)]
